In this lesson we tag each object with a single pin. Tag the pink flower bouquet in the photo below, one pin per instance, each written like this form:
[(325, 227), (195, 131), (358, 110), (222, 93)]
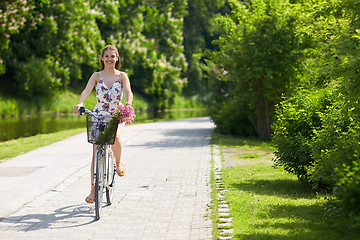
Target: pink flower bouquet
[(122, 114)]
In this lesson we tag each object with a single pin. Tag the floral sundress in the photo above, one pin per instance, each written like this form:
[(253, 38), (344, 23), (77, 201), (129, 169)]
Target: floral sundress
[(107, 97)]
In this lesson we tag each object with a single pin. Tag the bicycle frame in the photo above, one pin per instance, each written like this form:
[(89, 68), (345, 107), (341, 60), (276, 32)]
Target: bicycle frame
[(106, 149)]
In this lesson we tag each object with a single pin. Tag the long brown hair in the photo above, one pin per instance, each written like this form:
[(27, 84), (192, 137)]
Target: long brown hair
[(110, 47)]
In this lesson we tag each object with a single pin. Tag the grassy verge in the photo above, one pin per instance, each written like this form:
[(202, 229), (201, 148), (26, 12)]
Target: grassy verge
[(16, 147), (269, 203), (181, 102), (66, 100), (62, 103)]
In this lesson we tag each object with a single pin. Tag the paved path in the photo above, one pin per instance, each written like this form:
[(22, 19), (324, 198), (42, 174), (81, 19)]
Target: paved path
[(164, 195)]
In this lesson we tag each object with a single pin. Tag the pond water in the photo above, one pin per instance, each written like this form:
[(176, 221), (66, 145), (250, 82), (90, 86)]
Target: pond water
[(12, 128)]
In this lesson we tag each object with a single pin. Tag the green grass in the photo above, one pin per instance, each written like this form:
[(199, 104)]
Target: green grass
[(63, 102), (20, 146), (269, 203), (181, 102), (252, 155), (240, 142)]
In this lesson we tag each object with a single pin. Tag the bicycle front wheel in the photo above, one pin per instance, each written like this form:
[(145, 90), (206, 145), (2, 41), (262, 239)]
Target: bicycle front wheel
[(99, 181), (111, 170)]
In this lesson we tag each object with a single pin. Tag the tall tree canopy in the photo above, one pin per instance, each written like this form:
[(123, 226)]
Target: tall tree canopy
[(199, 32), (46, 45), (259, 54), (149, 37), (46, 55)]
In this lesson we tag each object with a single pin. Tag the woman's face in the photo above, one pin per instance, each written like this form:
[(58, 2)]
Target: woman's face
[(109, 58)]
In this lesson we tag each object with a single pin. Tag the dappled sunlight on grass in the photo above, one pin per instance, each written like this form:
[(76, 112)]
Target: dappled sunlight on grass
[(268, 203)]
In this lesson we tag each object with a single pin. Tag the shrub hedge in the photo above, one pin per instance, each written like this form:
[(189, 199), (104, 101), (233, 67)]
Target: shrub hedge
[(317, 137)]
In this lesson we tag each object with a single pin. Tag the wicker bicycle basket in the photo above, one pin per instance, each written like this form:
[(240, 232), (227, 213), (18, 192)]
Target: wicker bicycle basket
[(97, 127)]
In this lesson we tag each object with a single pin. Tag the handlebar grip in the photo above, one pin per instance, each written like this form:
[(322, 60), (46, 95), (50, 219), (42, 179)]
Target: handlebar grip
[(81, 110)]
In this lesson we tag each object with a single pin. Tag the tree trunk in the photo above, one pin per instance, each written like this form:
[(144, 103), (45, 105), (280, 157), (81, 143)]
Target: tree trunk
[(263, 118)]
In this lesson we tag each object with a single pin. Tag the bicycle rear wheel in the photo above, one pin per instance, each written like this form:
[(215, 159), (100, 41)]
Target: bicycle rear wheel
[(99, 181), (111, 168)]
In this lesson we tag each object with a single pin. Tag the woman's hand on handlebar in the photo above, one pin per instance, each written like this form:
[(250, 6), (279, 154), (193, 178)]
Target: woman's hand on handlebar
[(76, 109)]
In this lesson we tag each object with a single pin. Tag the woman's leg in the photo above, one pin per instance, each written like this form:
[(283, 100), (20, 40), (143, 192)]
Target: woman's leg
[(116, 148), (91, 197)]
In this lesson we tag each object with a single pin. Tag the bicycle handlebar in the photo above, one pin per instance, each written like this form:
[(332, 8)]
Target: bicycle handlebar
[(83, 111)]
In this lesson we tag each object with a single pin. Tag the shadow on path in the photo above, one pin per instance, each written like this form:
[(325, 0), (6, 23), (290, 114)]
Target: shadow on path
[(66, 217)]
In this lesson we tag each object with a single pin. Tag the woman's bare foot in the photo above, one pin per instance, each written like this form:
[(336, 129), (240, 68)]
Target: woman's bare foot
[(120, 170), (91, 197)]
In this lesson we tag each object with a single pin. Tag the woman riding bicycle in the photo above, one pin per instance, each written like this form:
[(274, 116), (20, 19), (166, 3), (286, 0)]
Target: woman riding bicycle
[(110, 83)]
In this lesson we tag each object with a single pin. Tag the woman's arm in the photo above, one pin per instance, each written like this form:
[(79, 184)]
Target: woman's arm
[(86, 92), (127, 89)]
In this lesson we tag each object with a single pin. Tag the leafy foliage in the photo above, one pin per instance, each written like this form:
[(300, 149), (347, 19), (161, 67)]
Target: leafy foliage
[(149, 36), (332, 137), (199, 32), (14, 16), (51, 37), (259, 53), (299, 55), (299, 120), (45, 57)]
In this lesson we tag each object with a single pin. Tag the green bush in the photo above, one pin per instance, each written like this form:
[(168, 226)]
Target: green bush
[(8, 107), (329, 141), (229, 111), (185, 102), (336, 151), (316, 136), (348, 191), (231, 118), (298, 119)]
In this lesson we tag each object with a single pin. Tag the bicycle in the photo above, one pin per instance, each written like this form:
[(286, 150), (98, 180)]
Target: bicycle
[(104, 165)]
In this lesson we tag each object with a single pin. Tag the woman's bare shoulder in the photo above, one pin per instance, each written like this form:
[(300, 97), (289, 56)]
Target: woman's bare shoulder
[(95, 77), (123, 75)]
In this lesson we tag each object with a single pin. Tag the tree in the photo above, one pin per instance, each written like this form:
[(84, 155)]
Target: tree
[(13, 17), (149, 37), (260, 52), (47, 56), (47, 46), (199, 32)]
